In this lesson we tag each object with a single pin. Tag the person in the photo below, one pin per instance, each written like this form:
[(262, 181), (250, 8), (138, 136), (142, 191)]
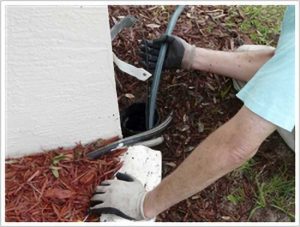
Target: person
[(268, 98)]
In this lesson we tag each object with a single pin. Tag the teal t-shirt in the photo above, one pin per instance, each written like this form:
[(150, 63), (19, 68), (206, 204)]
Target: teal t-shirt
[(271, 91)]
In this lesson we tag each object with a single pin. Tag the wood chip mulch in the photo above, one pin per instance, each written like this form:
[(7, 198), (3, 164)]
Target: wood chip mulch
[(201, 102), (56, 185)]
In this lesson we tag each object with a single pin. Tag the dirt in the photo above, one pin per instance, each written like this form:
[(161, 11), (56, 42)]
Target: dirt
[(270, 214), (201, 103)]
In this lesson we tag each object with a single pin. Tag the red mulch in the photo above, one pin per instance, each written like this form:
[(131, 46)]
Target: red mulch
[(56, 185)]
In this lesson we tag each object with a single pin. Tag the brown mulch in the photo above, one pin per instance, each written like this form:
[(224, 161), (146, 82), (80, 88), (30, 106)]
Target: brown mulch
[(56, 185), (201, 103)]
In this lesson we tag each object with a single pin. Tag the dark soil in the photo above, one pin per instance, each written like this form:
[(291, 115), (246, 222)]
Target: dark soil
[(201, 103)]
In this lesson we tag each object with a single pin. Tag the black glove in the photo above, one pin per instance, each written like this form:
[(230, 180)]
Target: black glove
[(123, 196), (179, 53)]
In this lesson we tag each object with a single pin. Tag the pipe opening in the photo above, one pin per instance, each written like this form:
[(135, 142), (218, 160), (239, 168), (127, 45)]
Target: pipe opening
[(133, 119)]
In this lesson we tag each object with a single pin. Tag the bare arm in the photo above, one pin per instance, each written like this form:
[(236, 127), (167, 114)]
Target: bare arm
[(224, 150), (237, 65)]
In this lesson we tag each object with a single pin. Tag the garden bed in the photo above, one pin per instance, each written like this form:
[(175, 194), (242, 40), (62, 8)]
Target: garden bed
[(56, 186)]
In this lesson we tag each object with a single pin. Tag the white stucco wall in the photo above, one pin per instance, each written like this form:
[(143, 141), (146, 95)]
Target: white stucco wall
[(60, 86)]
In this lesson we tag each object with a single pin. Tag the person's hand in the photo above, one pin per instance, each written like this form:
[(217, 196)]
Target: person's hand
[(123, 196), (179, 54)]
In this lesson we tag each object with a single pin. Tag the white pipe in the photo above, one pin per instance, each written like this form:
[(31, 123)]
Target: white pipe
[(152, 142)]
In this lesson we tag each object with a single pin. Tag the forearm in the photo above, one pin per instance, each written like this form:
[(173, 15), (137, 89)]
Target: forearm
[(208, 162), (237, 65), (224, 150)]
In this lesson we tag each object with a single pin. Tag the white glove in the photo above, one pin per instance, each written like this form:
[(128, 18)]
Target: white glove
[(123, 196)]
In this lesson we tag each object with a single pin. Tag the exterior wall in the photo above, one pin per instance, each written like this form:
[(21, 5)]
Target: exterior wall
[(60, 86)]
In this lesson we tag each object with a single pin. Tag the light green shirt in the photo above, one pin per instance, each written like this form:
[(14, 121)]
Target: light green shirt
[(271, 92)]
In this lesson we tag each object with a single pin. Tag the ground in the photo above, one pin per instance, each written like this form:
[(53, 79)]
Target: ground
[(263, 188)]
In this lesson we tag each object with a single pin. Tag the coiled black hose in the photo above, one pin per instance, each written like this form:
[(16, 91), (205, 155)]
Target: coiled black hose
[(132, 139), (151, 132)]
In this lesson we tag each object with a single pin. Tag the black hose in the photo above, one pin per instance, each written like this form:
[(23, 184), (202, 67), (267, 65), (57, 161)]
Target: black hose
[(157, 73), (152, 132), (132, 139)]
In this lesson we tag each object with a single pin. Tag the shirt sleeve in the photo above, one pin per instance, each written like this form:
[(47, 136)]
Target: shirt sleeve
[(271, 91)]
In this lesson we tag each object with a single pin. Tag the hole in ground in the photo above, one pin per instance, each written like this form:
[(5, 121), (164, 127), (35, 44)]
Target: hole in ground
[(133, 119)]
